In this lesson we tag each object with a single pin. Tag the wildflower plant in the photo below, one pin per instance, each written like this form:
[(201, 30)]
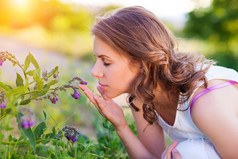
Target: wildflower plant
[(33, 84), (70, 133), (38, 140)]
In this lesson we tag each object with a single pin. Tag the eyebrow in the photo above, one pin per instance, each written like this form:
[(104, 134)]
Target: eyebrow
[(102, 56)]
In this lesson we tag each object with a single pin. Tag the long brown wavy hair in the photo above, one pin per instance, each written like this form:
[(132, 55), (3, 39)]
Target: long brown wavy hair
[(139, 34)]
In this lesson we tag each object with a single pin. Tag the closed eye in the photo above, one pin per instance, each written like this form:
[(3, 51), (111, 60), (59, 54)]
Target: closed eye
[(106, 64)]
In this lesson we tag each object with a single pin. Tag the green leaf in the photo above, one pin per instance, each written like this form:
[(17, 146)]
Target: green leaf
[(30, 59), (34, 62), (10, 138), (39, 93), (28, 132), (111, 128), (44, 114), (27, 62), (53, 71), (49, 84), (5, 86), (16, 91), (39, 80), (24, 102), (105, 125), (5, 112), (40, 129), (19, 80), (31, 72), (53, 130)]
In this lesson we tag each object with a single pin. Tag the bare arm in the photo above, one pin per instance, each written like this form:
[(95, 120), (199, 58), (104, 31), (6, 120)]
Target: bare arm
[(151, 136), (216, 115), (135, 148)]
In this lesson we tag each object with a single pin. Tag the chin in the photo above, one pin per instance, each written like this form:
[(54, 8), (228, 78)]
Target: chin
[(111, 95)]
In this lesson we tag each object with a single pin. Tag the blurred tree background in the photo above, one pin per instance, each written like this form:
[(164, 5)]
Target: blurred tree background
[(65, 27), (217, 26), (50, 24)]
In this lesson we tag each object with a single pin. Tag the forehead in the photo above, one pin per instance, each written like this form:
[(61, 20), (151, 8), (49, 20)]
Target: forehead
[(100, 48)]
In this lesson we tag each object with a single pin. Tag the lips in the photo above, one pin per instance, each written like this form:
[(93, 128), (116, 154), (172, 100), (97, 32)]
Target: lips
[(102, 85)]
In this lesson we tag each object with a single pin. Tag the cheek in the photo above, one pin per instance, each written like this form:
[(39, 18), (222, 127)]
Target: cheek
[(124, 81)]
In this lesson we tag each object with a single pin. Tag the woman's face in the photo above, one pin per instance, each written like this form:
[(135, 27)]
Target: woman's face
[(114, 72)]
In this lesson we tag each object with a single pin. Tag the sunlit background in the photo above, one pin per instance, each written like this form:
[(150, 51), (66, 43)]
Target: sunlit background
[(62, 26), (57, 32)]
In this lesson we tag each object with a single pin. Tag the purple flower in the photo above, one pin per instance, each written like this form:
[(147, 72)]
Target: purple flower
[(70, 133), (24, 124), (56, 75), (85, 83), (31, 123), (27, 124), (2, 59), (3, 106), (75, 95), (26, 121), (45, 74), (74, 139), (54, 99)]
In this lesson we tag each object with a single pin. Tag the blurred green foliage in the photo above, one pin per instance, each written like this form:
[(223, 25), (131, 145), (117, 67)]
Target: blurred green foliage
[(218, 26)]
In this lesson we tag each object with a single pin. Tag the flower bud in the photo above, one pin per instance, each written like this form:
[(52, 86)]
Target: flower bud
[(2, 59), (2, 106), (53, 100), (75, 95)]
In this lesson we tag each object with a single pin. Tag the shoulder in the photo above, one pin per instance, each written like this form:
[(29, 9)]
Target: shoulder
[(216, 115), (221, 99)]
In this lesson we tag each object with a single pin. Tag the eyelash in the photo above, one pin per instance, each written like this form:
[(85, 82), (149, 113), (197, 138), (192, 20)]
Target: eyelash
[(106, 64)]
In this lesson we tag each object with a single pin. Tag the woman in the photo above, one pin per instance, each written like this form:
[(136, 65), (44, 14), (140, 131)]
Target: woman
[(183, 94)]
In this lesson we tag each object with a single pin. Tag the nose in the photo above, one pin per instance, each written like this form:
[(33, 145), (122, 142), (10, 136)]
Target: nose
[(96, 71)]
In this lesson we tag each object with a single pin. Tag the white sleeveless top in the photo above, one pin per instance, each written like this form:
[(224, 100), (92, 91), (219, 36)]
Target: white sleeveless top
[(192, 142)]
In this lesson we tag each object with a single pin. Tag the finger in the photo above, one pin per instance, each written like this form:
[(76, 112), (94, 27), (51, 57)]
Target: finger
[(168, 152), (82, 87), (164, 155), (98, 105), (176, 154), (87, 92), (172, 146), (92, 98), (102, 93)]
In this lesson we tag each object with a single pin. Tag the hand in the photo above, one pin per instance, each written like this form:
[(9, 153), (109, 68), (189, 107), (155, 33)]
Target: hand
[(171, 152), (106, 107)]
